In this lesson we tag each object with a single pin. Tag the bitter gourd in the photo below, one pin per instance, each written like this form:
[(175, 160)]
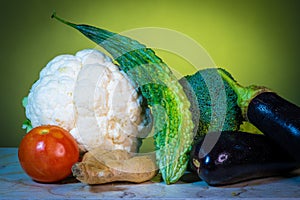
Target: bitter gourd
[(229, 119), (173, 125)]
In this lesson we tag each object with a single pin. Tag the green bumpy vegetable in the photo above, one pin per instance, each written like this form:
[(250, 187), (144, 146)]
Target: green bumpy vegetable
[(173, 125), (196, 87)]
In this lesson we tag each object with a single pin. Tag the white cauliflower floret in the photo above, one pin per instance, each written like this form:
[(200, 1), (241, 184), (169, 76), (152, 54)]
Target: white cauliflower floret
[(89, 96)]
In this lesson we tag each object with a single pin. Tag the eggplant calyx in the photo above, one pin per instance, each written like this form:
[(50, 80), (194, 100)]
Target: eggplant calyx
[(244, 94)]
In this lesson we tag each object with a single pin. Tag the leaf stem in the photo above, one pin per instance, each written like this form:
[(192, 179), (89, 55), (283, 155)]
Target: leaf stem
[(61, 20)]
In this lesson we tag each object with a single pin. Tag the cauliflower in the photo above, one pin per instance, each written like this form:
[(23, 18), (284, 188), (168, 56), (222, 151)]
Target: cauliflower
[(90, 97)]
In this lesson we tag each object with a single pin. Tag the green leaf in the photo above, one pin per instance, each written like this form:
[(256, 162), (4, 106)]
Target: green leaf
[(24, 102), (27, 125)]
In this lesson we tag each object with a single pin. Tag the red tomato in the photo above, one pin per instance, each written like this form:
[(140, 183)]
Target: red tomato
[(47, 153)]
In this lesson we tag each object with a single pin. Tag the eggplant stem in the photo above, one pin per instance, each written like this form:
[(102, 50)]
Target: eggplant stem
[(244, 94)]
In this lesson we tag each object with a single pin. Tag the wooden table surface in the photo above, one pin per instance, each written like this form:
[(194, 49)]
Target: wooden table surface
[(15, 184)]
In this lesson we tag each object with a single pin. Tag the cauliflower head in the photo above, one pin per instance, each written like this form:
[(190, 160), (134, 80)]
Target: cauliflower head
[(90, 97)]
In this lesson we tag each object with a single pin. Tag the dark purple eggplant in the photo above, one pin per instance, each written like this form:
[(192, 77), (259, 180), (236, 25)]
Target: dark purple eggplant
[(273, 115), (278, 119), (239, 156)]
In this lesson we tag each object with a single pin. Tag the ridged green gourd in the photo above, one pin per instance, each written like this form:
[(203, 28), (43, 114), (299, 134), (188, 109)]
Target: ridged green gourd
[(227, 115), (165, 97)]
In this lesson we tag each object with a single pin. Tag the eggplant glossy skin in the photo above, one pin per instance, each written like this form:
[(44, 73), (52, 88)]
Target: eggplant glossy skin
[(240, 156), (278, 119)]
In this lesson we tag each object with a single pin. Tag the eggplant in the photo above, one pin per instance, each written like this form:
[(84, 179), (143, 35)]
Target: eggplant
[(274, 116), (239, 156), (278, 119)]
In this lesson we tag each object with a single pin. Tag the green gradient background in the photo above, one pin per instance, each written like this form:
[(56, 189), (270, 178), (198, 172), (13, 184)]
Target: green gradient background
[(257, 41)]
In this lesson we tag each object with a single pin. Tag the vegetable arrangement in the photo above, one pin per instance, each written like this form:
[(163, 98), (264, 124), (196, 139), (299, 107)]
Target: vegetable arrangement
[(274, 116), (185, 107), (247, 155), (164, 95)]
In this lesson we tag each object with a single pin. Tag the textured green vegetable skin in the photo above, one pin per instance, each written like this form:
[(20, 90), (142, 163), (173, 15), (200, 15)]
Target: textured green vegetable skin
[(196, 88), (164, 95)]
